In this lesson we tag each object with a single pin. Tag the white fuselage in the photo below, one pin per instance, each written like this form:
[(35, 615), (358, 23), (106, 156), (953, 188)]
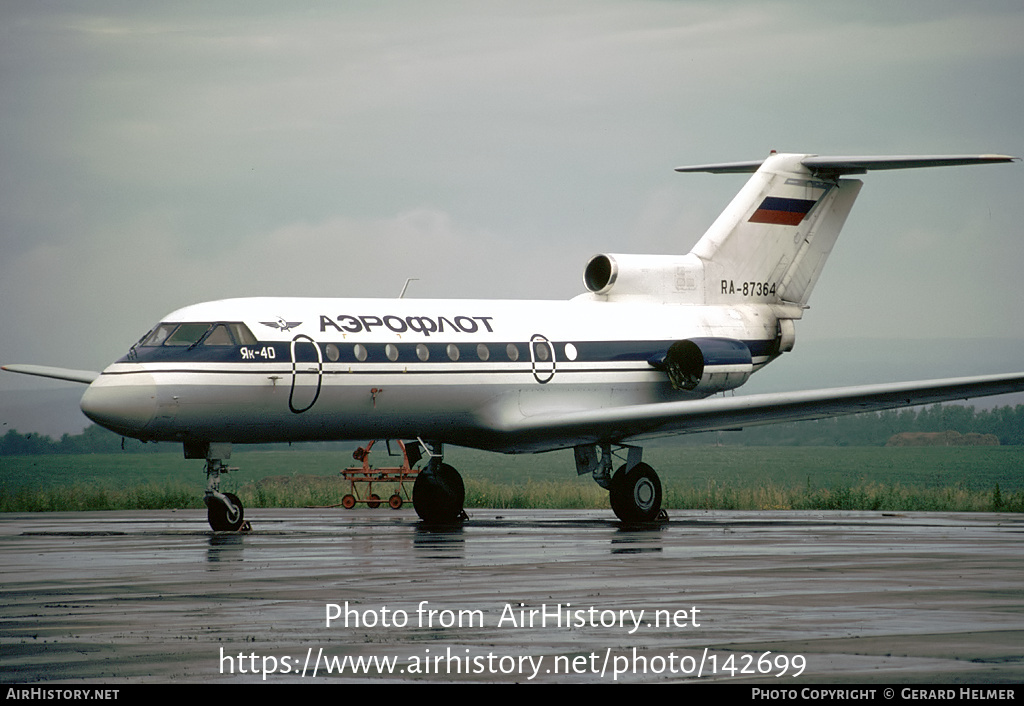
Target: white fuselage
[(454, 371)]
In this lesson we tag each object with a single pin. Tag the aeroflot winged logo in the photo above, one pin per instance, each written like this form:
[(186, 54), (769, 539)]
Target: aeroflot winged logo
[(281, 324)]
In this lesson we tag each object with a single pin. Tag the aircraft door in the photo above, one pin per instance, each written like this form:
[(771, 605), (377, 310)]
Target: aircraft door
[(307, 374), (542, 358)]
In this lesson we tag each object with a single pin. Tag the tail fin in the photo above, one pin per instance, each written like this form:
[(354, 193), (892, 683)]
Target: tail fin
[(771, 242)]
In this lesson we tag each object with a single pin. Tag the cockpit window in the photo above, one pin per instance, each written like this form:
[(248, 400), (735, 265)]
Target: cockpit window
[(219, 336), (158, 335), (187, 335), (243, 336)]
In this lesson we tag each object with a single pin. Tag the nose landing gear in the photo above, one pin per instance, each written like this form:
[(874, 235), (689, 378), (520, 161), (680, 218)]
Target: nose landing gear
[(224, 511)]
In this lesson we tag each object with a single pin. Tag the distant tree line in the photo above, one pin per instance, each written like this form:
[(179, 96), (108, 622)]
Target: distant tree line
[(93, 440), (870, 429), (876, 428), (97, 440)]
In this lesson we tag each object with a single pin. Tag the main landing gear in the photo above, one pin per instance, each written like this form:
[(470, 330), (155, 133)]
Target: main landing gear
[(634, 491), (438, 493)]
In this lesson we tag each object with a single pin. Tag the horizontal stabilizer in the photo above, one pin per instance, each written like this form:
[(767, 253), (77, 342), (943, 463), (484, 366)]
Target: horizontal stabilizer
[(86, 376), (838, 166)]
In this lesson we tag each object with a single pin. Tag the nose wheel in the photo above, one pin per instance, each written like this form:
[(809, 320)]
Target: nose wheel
[(225, 517)]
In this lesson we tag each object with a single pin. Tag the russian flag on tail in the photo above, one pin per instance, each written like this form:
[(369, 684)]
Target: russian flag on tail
[(782, 211)]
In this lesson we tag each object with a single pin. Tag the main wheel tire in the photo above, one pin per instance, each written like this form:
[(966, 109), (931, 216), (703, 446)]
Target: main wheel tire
[(348, 502), (220, 519), (635, 496), (438, 495), (395, 501), (373, 502)]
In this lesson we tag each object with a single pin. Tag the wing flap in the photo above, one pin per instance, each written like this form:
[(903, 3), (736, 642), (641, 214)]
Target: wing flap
[(563, 429)]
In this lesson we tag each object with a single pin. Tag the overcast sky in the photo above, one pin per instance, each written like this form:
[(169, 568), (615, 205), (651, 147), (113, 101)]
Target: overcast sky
[(153, 155)]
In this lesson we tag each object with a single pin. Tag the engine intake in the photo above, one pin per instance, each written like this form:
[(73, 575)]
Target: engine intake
[(600, 274)]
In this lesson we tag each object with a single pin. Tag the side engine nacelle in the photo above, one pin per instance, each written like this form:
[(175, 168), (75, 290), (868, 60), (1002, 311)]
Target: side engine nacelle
[(706, 364)]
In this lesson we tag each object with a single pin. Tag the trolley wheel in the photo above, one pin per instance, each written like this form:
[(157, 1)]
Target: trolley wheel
[(373, 501), (348, 502), (395, 501)]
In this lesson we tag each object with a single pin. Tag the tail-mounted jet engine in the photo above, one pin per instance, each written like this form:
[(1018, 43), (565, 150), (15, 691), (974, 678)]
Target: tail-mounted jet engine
[(668, 277), (706, 365)]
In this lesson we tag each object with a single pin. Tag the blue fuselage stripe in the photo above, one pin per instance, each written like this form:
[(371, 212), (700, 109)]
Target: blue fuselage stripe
[(376, 352)]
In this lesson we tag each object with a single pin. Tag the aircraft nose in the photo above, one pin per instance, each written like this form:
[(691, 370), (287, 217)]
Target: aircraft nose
[(124, 405)]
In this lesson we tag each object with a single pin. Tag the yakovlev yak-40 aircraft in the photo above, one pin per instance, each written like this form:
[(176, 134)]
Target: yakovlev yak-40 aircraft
[(643, 353)]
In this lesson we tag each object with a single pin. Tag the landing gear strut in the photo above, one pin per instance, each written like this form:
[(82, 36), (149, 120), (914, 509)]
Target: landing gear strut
[(634, 491), (439, 493)]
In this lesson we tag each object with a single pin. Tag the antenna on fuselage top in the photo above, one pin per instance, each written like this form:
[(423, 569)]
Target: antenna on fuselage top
[(406, 286)]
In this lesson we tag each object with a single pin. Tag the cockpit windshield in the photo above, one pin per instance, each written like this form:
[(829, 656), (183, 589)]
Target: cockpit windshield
[(216, 334)]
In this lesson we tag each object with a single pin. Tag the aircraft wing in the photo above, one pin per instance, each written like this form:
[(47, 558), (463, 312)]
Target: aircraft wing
[(86, 376), (616, 424)]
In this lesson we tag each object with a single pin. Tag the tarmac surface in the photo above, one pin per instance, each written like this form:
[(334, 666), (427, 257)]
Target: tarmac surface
[(781, 598)]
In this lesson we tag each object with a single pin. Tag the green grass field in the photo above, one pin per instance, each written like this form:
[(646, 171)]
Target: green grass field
[(850, 478), (953, 479)]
